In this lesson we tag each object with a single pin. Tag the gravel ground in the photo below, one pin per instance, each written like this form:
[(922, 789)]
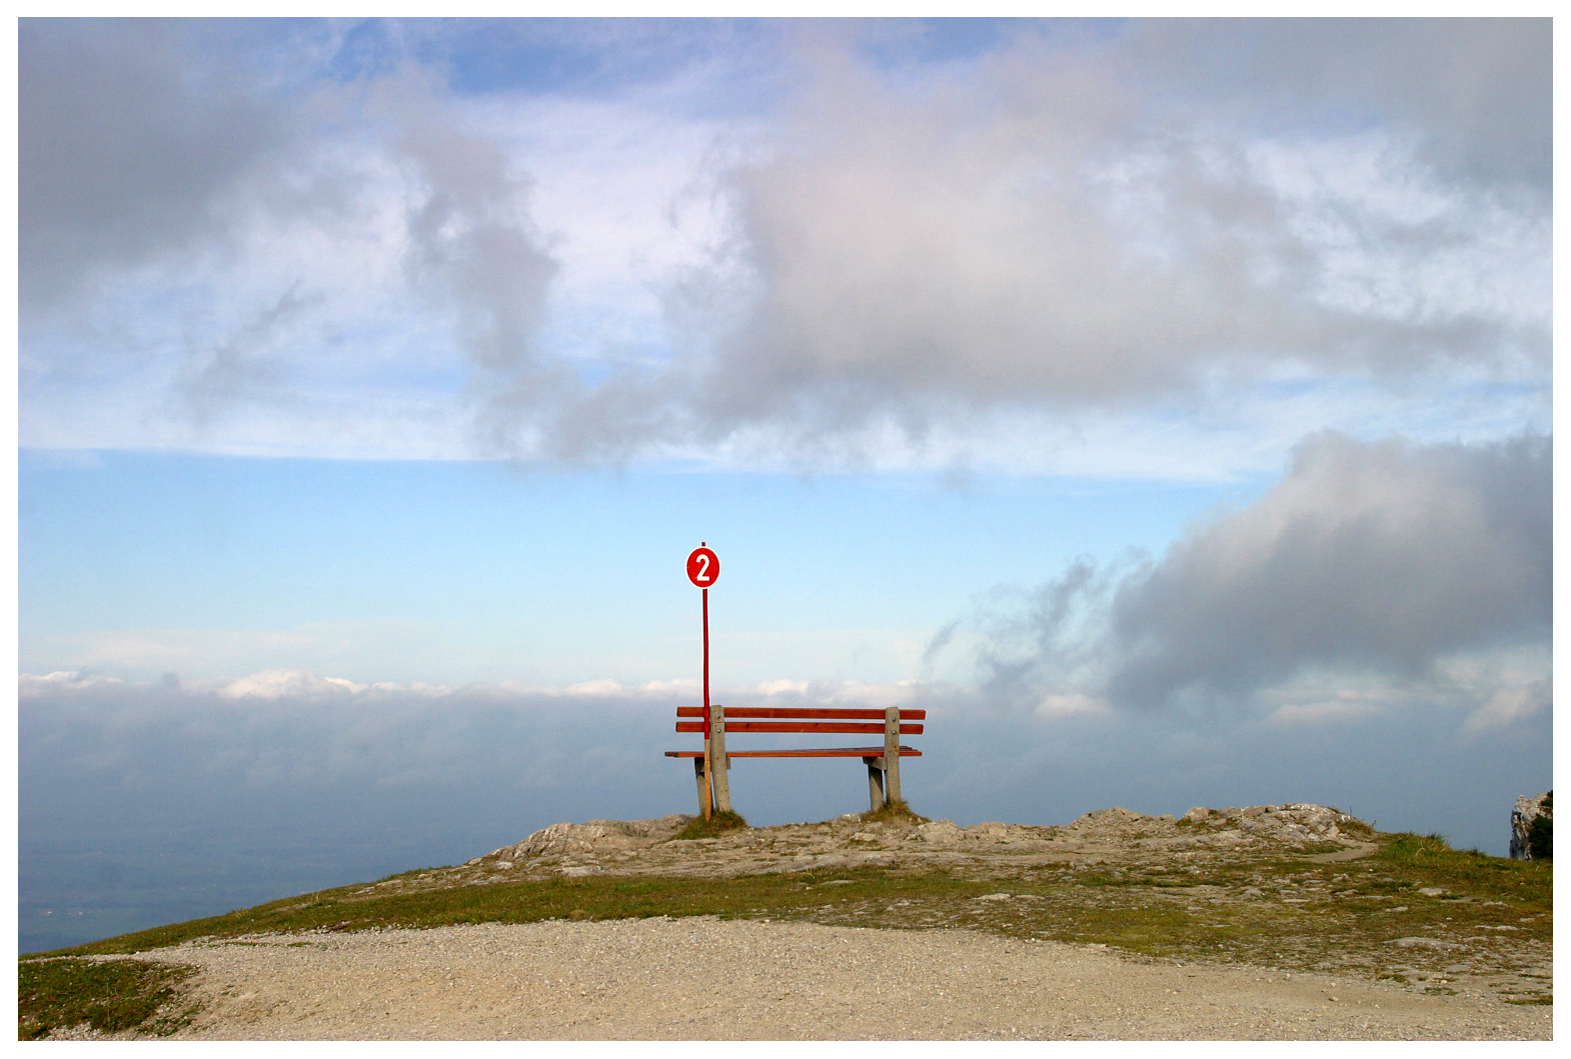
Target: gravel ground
[(708, 979)]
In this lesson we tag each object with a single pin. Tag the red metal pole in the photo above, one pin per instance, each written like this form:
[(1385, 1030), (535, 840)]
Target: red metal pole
[(709, 760), (706, 663)]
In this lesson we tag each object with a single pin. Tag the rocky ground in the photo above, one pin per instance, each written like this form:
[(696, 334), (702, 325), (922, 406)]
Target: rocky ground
[(1284, 927), (1101, 837)]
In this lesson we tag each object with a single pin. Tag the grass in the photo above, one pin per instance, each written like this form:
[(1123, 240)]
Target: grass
[(895, 811), (1285, 911), (585, 897), (714, 827), (1426, 861), (110, 996)]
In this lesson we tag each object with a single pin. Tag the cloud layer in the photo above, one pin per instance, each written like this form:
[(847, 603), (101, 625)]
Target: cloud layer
[(147, 803)]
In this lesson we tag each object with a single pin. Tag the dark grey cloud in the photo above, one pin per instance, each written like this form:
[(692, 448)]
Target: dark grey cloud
[(127, 149), (1369, 557), (1382, 555), (252, 182), (239, 367), (474, 247), (1476, 91)]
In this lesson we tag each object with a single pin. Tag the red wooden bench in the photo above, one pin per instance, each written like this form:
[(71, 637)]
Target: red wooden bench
[(883, 762)]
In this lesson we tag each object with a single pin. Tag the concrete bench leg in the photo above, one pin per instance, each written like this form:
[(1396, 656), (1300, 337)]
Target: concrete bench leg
[(875, 784), (722, 762), (892, 754), (703, 787)]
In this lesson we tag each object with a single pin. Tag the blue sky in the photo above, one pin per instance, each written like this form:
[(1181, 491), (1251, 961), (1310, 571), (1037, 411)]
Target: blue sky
[(1170, 393), (450, 572)]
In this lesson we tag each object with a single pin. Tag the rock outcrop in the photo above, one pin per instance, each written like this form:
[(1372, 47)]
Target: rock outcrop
[(1103, 837), (1528, 810), (564, 839), (608, 845)]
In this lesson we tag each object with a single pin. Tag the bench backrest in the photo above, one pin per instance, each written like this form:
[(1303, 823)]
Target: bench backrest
[(800, 719)]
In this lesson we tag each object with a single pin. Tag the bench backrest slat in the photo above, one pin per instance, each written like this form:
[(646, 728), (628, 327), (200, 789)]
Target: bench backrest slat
[(795, 713), (797, 726)]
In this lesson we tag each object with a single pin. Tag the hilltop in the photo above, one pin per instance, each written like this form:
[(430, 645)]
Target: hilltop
[(1296, 890)]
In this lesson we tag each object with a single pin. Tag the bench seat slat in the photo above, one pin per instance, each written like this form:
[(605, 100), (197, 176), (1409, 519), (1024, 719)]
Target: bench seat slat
[(850, 751), (802, 713), (797, 726)]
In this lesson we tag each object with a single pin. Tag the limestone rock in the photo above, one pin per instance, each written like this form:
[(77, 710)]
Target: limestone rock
[(1422, 943), (1294, 824), (560, 839), (939, 832), (1522, 816)]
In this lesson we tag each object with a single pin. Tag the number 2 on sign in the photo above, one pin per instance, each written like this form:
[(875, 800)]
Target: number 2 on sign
[(703, 567)]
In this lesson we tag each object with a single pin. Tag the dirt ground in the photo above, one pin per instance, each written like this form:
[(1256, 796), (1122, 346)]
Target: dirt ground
[(706, 979)]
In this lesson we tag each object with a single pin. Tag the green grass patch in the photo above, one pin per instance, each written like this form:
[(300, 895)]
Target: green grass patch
[(110, 996), (1356, 828), (530, 901), (1413, 862), (714, 827), (1149, 929)]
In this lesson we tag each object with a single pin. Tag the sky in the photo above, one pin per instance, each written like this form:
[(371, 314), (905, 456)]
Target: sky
[(1163, 405)]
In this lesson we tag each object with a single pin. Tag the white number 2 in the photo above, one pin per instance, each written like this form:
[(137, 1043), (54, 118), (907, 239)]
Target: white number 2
[(703, 568)]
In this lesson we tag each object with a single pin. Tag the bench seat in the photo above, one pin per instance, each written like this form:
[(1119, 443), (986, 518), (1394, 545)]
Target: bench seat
[(850, 751)]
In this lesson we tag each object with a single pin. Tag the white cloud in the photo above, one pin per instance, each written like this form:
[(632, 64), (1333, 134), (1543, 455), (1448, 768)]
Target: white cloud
[(1058, 255), (1038, 236), (1508, 706), (62, 679), (304, 684), (670, 687), (1057, 706), (1329, 697), (596, 687), (296, 683), (776, 687), (1332, 710)]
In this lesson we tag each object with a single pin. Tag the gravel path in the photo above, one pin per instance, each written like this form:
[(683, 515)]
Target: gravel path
[(707, 979)]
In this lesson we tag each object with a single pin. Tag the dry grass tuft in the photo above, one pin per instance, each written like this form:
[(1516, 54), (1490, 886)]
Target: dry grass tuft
[(714, 827)]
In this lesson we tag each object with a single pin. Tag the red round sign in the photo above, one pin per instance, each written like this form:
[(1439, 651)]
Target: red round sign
[(703, 567)]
